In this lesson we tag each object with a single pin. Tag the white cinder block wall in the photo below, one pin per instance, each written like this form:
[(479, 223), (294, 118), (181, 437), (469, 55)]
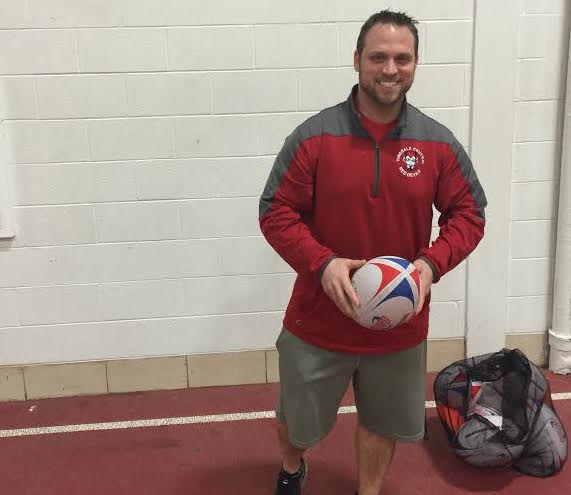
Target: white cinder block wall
[(539, 102), (138, 135)]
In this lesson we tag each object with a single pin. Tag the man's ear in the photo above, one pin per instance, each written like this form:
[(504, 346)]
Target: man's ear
[(356, 61)]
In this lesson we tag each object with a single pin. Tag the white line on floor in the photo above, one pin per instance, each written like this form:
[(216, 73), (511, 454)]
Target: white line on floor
[(189, 420)]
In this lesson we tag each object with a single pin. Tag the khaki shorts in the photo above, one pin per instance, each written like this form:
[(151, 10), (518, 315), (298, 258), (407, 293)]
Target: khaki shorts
[(389, 390)]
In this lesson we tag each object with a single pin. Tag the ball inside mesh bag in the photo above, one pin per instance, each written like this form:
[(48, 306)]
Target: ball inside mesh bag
[(546, 450), (482, 445)]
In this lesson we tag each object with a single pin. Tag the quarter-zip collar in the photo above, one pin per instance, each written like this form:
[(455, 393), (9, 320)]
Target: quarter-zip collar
[(356, 119)]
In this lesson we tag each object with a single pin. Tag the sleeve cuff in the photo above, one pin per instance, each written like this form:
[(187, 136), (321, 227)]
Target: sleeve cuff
[(435, 276), (324, 266)]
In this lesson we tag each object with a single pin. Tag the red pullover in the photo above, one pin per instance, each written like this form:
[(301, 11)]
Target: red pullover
[(334, 191)]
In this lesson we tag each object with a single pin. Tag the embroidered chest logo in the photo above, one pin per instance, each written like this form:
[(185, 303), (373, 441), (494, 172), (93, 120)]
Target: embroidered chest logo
[(410, 159)]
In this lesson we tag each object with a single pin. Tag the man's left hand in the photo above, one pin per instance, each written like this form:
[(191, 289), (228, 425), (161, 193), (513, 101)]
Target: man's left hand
[(425, 275)]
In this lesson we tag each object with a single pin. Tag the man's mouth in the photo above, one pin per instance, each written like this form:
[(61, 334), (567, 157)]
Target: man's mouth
[(388, 84)]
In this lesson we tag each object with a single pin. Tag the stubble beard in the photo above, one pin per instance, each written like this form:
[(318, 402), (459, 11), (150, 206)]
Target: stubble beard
[(370, 91)]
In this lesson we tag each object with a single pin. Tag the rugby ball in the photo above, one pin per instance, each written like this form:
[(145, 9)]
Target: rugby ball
[(388, 289), (482, 445), (546, 450)]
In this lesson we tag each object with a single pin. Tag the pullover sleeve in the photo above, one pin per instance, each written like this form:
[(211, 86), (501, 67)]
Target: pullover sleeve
[(461, 201), (286, 203)]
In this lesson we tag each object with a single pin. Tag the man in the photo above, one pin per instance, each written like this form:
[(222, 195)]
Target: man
[(354, 182)]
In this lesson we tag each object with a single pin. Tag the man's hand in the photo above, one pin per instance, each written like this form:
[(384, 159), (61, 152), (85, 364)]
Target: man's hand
[(425, 275), (337, 284)]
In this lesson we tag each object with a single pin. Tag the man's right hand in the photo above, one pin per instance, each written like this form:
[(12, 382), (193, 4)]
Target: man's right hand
[(337, 284)]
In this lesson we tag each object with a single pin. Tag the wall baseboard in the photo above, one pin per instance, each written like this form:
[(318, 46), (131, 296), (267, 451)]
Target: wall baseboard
[(200, 370)]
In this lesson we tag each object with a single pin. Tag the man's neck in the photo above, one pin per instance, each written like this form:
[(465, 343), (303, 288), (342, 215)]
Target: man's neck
[(375, 112)]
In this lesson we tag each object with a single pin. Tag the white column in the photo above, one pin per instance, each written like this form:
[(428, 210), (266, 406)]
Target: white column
[(560, 333), (493, 79)]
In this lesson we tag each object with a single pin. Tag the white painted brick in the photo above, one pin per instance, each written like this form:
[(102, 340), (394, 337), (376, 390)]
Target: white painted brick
[(446, 320), (149, 299), (438, 86), (13, 14), (253, 12), (295, 11), (81, 96), (79, 13), (539, 36), (321, 88), (132, 339), (532, 277), (248, 255), (52, 184), (539, 79), (336, 10), (529, 314), (121, 50), (533, 239), (274, 128), (168, 94), (74, 183), (54, 225), (448, 42), (348, 34), (456, 119), (544, 6), (216, 136), (443, 9), (452, 287), (536, 161), (287, 46), (203, 178), (9, 308), (189, 258), (251, 92), (46, 141), (238, 294), (467, 85), (210, 48), (117, 222), (37, 52), (17, 98), (154, 260), (533, 200), (114, 181), (48, 266), (537, 120), (219, 217), (58, 304), (121, 139), (165, 12)]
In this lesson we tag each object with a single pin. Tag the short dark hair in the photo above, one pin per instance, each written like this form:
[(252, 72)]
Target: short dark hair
[(388, 17)]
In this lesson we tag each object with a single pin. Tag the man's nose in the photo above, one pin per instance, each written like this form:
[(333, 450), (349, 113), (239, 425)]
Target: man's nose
[(389, 67)]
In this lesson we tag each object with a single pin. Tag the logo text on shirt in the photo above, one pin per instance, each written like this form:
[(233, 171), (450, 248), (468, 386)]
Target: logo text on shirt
[(410, 158)]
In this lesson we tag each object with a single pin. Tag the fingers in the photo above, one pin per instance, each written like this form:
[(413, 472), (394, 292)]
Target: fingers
[(354, 264), (337, 284), (342, 302)]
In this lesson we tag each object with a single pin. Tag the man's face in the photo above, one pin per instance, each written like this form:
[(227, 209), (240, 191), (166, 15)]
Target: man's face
[(387, 63)]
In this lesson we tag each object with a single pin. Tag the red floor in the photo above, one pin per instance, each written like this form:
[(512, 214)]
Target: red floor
[(222, 458)]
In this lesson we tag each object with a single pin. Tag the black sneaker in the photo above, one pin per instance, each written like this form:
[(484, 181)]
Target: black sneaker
[(290, 484)]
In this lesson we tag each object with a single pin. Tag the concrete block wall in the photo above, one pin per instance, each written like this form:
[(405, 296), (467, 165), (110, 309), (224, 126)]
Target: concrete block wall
[(138, 136), (539, 102)]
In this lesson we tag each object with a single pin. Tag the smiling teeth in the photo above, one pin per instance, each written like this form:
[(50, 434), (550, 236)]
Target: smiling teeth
[(388, 83)]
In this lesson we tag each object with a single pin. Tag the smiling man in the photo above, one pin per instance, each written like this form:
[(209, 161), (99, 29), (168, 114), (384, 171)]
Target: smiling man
[(356, 181)]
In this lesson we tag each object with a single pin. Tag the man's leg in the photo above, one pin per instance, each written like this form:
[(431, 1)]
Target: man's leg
[(374, 456), (389, 395), (290, 455)]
